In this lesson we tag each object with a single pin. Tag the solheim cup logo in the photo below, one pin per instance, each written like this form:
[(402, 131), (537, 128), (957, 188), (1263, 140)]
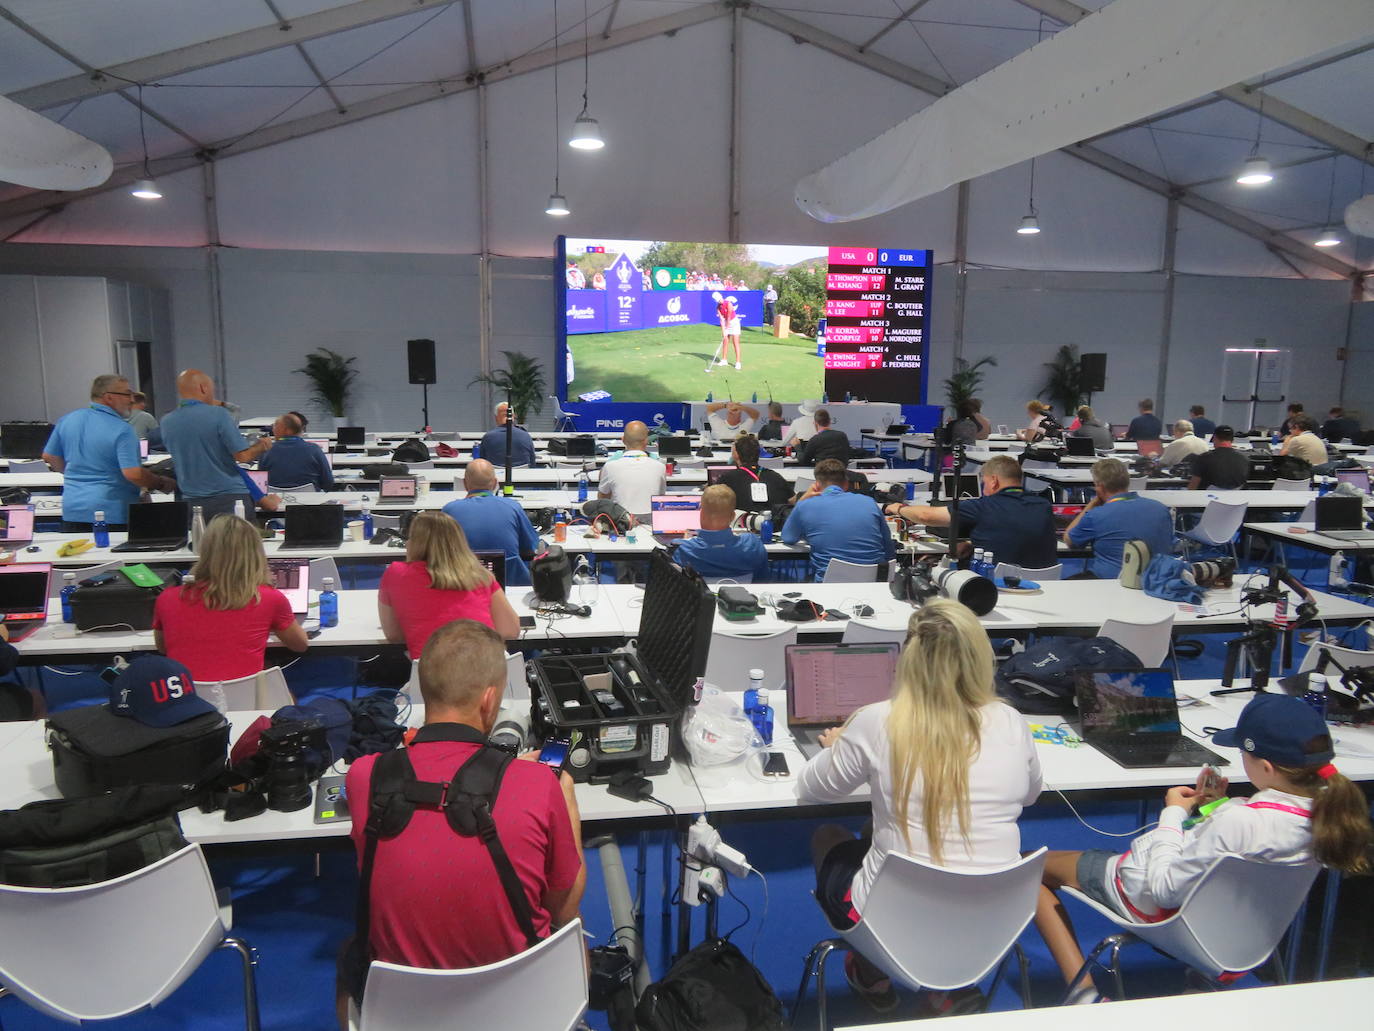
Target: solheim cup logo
[(623, 272)]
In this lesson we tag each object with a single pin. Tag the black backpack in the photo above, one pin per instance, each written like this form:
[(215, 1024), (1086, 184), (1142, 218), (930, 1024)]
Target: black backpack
[(1041, 680), (411, 450), (712, 988), (1291, 467)]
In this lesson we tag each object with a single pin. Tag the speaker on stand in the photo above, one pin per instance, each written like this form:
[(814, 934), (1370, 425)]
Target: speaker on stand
[(1092, 374), (420, 355)]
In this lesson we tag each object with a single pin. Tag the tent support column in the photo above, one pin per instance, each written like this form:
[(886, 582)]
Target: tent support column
[(1166, 329)]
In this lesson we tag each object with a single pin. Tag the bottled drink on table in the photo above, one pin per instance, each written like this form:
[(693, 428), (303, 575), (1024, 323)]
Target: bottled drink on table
[(329, 604), (100, 531), (68, 589)]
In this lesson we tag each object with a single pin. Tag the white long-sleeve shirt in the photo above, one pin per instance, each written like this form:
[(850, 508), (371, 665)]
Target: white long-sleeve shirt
[(1003, 778), (1164, 864)]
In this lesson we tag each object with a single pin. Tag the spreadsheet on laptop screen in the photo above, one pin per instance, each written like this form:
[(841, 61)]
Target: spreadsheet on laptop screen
[(827, 683)]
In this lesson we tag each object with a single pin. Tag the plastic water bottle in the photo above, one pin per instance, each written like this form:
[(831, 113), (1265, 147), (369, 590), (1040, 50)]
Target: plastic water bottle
[(197, 527), (477, 450), (582, 488), (762, 717), (766, 531), (238, 510), (100, 531), (68, 589), (751, 693), (329, 604), (755, 399), (1315, 695), (977, 564), (367, 521), (911, 490), (825, 398)]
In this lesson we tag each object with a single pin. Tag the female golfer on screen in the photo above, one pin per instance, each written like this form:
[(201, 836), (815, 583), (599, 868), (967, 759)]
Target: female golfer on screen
[(729, 330)]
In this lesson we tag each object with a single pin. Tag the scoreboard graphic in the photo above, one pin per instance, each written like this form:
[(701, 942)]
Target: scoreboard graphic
[(878, 322)]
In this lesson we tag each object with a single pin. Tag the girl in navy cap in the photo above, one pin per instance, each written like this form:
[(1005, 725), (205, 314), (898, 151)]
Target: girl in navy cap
[(1303, 810)]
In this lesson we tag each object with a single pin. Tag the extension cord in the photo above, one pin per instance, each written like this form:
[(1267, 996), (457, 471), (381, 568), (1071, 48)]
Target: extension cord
[(711, 879)]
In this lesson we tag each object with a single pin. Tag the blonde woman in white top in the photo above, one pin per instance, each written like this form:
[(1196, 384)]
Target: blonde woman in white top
[(949, 768)]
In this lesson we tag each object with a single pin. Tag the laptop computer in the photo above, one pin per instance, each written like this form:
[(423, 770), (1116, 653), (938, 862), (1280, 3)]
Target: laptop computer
[(351, 438), (1080, 447), (143, 448), (968, 486), (259, 478), (828, 683), (157, 526), (1150, 448), (24, 439), (1131, 717), (1064, 515), (1357, 477), (495, 563), (24, 597), (715, 472), (398, 487), (16, 526), (1342, 518), (314, 526), (674, 447), (1119, 429), (291, 576), (675, 514), (320, 442)]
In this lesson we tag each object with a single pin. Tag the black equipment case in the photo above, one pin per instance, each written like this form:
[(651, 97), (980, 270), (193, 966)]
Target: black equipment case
[(94, 750), (117, 603), (620, 711)]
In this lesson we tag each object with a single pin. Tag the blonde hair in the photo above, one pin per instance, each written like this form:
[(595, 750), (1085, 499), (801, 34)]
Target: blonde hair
[(231, 566), (1038, 408), (944, 677), (439, 542), (718, 501)]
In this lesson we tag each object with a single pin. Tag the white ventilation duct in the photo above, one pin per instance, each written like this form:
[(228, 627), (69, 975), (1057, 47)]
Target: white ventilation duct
[(1359, 216), (38, 153)]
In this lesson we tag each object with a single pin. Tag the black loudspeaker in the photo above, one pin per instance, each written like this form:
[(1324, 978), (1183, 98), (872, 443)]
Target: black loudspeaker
[(421, 361), (1092, 373)]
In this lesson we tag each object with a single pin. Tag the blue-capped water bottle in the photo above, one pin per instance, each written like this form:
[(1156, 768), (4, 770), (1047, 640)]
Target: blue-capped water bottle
[(766, 530), (329, 604), (68, 589), (367, 521), (100, 530), (751, 693), (582, 488), (762, 716), (477, 450)]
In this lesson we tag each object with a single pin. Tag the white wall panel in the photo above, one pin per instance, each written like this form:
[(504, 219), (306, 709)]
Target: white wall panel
[(1207, 248), (117, 218), (75, 338), (21, 388)]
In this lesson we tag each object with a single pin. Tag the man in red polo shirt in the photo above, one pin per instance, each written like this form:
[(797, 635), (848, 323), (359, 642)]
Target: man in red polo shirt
[(436, 900)]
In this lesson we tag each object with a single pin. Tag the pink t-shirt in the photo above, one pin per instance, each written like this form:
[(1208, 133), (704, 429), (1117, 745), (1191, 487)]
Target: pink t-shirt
[(219, 644), (422, 608)]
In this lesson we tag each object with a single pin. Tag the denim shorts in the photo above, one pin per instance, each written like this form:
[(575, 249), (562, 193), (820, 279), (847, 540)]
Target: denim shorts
[(1096, 868)]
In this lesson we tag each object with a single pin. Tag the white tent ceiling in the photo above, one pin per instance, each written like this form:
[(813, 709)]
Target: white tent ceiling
[(355, 125)]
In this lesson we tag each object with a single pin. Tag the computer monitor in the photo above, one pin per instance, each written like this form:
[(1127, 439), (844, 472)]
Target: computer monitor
[(24, 439), (675, 513), (674, 447), (969, 485), (1080, 447), (351, 436)]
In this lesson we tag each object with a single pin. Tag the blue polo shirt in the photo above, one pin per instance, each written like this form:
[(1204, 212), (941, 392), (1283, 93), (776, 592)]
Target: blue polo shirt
[(294, 461), (492, 522), (1203, 426), (493, 447), (1145, 426), (203, 440), (1017, 526), (1123, 518), (838, 524), (717, 553), (96, 444)]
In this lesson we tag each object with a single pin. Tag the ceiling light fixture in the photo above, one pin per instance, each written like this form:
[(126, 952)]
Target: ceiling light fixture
[(1257, 171), (586, 134), (145, 188), (558, 204), (1329, 236), (1030, 224)]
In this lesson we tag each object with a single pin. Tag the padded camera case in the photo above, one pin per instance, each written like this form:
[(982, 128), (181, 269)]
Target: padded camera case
[(93, 750), (118, 603)]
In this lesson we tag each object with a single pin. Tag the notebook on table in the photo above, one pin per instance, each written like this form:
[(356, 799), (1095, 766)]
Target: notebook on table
[(1131, 717), (24, 597), (1342, 518), (828, 683), (157, 526), (314, 526), (16, 527)]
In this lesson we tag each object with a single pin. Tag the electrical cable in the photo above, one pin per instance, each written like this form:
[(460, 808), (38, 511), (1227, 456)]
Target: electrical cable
[(1098, 830), (763, 918), (748, 913)]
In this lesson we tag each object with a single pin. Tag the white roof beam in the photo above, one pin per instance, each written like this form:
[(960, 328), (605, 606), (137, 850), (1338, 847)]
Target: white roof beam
[(284, 25), (893, 24), (166, 65)]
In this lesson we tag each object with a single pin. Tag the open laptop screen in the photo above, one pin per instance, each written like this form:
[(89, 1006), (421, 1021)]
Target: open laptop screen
[(1127, 701), (1081, 447), (1359, 477), (314, 523), (397, 487), (159, 520), (715, 472), (1337, 512), (16, 524), (291, 576), (259, 478), (827, 683), (351, 436), (968, 485), (674, 446), (24, 589), (495, 563), (675, 513)]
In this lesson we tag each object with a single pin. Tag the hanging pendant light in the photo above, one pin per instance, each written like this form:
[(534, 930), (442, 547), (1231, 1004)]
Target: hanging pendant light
[(558, 204), (145, 188), (1030, 224), (1329, 237), (586, 134), (1256, 171)]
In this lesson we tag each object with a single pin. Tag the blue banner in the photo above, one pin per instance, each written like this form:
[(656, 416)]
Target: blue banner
[(585, 311), (609, 416), (625, 286)]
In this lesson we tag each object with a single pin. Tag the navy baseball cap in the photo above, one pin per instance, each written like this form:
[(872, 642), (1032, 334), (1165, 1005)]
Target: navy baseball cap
[(1277, 727), (157, 692)]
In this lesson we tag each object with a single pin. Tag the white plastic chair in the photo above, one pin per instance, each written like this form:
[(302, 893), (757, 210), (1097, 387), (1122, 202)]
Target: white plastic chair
[(1347, 657), (564, 421), (517, 687), (865, 633), (732, 656), (841, 572), (1054, 572), (56, 582), (35, 465), (1230, 922), (101, 951), (1138, 483), (911, 907), (266, 690), (543, 987), (1220, 522), (1291, 485), (1148, 641), (322, 567)]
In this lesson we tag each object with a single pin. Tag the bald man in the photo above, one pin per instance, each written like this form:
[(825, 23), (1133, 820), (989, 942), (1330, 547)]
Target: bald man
[(631, 478), (493, 445), (294, 461), (492, 522), (206, 445)]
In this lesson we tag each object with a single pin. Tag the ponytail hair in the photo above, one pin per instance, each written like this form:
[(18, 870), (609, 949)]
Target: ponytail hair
[(1341, 831)]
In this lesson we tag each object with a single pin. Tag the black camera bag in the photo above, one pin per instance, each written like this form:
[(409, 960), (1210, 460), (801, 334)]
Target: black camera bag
[(117, 603), (93, 750)]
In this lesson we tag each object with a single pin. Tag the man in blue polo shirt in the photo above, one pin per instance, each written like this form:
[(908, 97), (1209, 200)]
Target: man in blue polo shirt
[(836, 523), (206, 447), (717, 551), (493, 444), (1115, 516), (491, 522), (1017, 527), (294, 461), (97, 453), (1146, 425)]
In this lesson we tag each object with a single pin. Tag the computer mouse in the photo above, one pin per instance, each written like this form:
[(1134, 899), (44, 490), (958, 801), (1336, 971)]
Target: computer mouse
[(863, 610), (33, 547)]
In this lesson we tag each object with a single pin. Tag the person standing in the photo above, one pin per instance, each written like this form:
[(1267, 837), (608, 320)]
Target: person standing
[(97, 452), (493, 444), (728, 317), (294, 461), (142, 420), (770, 305), (1146, 425), (492, 522), (206, 447)]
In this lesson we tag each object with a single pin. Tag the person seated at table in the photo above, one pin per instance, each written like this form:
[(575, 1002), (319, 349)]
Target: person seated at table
[(1303, 811), (1339, 426), (949, 768), (293, 460), (1185, 445), (493, 443), (438, 900), (756, 489), (1089, 425), (1223, 467), (494, 522), (773, 426), (1114, 516), (1017, 527), (1286, 427), (217, 626), (827, 442), (717, 551), (1202, 426), (803, 427), (632, 478), (1146, 425), (836, 523), (441, 580), (1303, 441), (729, 419), (1036, 413)]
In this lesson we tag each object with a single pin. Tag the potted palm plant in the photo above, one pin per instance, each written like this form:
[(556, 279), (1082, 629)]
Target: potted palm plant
[(967, 379), (522, 380), (1063, 382), (331, 378)]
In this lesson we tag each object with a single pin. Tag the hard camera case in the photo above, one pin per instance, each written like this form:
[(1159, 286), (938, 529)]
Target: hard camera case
[(117, 604), (94, 750)]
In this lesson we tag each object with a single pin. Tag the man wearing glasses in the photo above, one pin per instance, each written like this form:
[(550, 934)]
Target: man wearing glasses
[(97, 453)]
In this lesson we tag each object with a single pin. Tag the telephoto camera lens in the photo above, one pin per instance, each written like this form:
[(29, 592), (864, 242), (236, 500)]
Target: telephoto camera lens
[(288, 780)]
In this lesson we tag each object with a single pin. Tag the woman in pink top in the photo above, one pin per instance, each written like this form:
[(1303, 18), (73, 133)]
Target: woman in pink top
[(441, 580), (218, 626)]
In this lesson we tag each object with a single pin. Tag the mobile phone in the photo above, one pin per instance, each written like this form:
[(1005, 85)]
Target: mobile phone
[(527, 621), (776, 765), (1210, 784), (554, 753)]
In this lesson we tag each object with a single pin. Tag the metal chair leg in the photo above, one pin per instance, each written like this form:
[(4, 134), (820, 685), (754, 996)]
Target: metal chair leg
[(807, 967), (1121, 941), (997, 978), (1294, 947), (1023, 961), (822, 1013), (1329, 900), (248, 955)]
